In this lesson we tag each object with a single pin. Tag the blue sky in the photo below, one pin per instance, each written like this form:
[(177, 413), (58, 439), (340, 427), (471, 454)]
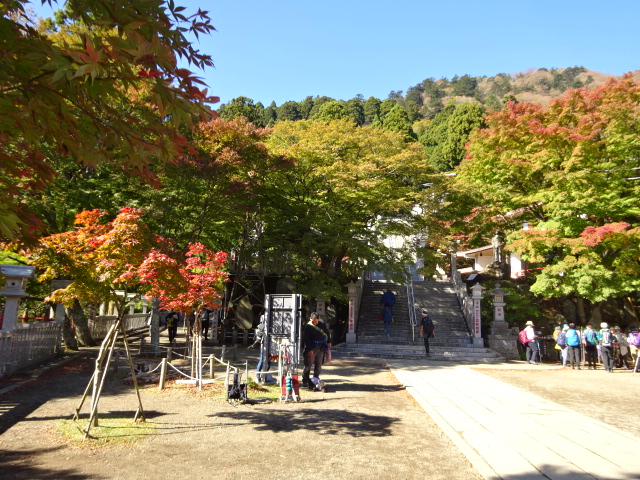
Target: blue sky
[(286, 50)]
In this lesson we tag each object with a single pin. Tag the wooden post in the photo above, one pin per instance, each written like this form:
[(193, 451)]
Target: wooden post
[(212, 366), (163, 373), (169, 352)]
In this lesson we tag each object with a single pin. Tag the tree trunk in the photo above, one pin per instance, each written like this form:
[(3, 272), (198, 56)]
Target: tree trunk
[(582, 314), (82, 325), (67, 335)]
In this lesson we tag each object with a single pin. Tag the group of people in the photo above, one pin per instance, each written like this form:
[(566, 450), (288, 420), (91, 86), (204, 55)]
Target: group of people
[(172, 319), (611, 346)]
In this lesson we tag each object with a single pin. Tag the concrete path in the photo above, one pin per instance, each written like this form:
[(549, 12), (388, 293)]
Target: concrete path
[(510, 434)]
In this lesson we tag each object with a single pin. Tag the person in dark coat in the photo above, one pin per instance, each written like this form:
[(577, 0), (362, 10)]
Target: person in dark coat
[(427, 330), (388, 300), (316, 342)]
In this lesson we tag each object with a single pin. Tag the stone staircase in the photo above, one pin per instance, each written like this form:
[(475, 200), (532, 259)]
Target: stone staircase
[(452, 341)]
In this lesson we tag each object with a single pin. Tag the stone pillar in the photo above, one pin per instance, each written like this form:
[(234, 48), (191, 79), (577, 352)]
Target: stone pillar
[(154, 327), (352, 291), (476, 296), (16, 277), (501, 339)]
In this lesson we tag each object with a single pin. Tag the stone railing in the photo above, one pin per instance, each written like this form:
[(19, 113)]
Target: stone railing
[(101, 324), (27, 344), (466, 302)]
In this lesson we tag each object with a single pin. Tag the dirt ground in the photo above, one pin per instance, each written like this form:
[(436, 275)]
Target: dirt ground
[(366, 426)]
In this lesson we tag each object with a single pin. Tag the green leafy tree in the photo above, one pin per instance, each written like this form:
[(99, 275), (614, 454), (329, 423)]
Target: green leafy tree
[(355, 108), (333, 110), (567, 169), (465, 86), (397, 120), (349, 188), (66, 91), (243, 107), (270, 115), (289, 111), (371, 110)]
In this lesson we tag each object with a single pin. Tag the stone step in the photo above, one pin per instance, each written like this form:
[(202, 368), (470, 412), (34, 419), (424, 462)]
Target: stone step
[(461, 354)]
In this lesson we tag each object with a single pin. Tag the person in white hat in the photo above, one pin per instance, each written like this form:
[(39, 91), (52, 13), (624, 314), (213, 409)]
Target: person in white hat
[(532, 344)]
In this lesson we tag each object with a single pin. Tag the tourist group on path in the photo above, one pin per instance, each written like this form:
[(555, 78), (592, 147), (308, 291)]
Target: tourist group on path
[(611, 346)]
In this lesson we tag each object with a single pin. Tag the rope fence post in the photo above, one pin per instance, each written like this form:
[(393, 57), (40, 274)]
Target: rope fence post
[(163, 374)]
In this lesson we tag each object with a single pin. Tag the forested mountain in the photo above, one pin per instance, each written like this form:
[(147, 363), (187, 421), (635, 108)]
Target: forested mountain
[(440, 114)]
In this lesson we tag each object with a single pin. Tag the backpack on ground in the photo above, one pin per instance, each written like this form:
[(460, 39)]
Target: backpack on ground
[(522, 337), (562, 339)]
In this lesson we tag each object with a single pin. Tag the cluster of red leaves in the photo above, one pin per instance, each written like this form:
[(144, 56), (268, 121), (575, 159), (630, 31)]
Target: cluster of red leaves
[(103, 257), (592, 236), (192, 287)]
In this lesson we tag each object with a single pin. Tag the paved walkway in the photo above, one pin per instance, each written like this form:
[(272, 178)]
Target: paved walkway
[(510, 434)]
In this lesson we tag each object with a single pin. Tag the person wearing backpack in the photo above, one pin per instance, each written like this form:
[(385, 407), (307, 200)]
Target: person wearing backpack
[(561, 344), (531, 345), (573, 345), (427, 330), (634, 343), (606, 340), (590, 342), (621, 348)]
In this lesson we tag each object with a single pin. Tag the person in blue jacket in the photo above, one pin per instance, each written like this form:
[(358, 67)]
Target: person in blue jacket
[(388, 300), (573, 344)]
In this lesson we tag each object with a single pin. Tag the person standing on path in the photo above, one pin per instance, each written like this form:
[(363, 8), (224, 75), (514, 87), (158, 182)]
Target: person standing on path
[(388, 300), (315, 339), (590, 341), (427, 330), (606, 339), (634, 344), (532, 345), (573, 344)]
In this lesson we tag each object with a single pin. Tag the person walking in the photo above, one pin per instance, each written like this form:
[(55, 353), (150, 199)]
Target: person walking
[(427, 330), (315, 340), (573, 344), (205, 323), (606, 340), (633, 339), (172, 326), (622, 349), (531, 346), (561, 343), (590, 342), (388, 300)]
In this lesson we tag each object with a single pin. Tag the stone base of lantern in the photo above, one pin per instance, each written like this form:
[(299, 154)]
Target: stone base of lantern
[(503, 340)]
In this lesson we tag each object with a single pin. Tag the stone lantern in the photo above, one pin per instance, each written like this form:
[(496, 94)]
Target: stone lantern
[(16, 278), (352, 292), (501, 339), (498, 307)]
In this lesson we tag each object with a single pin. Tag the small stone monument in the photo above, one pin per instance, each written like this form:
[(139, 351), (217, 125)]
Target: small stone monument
[(16, 277), (501, 338)]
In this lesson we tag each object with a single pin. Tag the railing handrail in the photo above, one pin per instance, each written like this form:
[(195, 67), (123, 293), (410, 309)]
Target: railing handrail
[(411, 307)]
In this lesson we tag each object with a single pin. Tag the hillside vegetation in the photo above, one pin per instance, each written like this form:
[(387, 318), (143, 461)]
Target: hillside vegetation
[(439, 114)]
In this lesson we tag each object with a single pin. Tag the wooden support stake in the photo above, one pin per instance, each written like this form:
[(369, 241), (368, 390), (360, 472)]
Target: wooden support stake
[(163, 373)]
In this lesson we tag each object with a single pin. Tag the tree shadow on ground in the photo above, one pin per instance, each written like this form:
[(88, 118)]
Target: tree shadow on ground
[(14, 466), (325, 422)]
